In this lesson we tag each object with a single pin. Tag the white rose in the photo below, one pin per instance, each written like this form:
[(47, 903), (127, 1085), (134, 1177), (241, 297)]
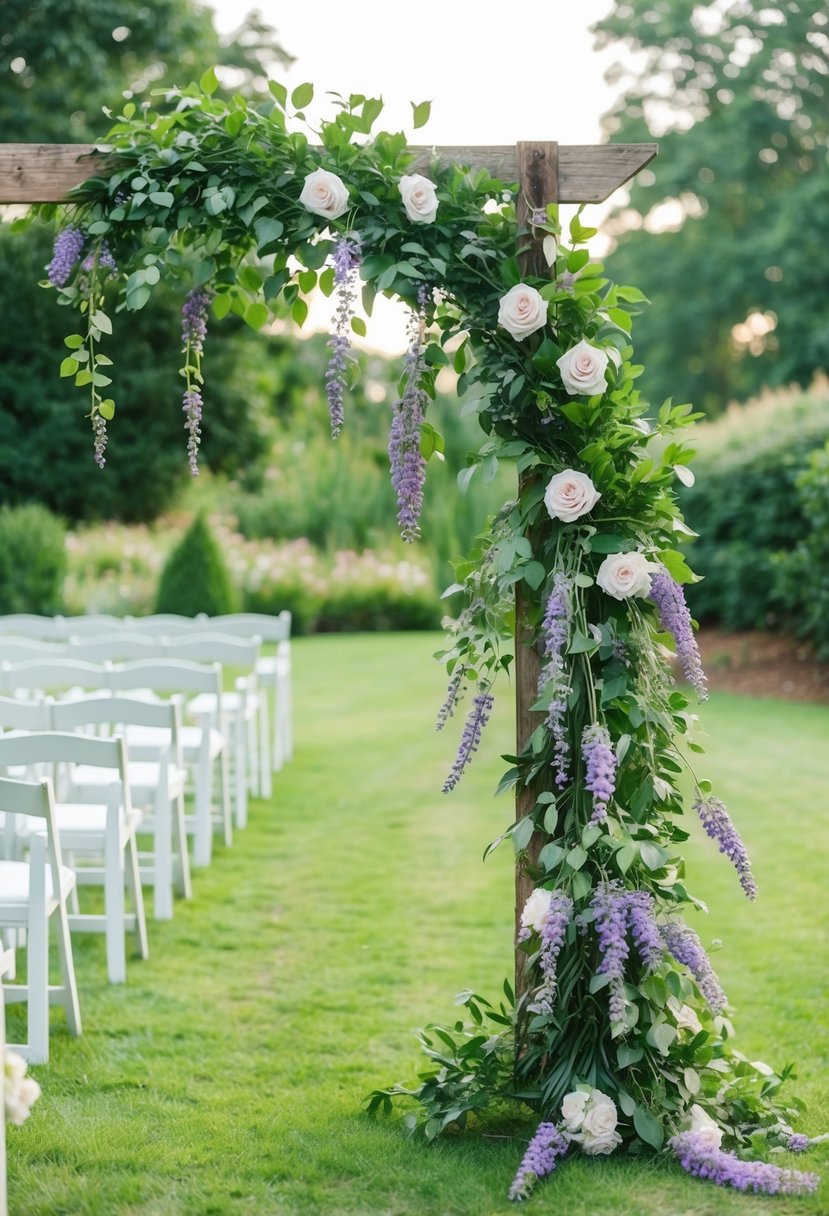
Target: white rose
[(522, 311), (569, 495), (600, 1116), (600, 1145), (536, 909), (572, 1109), (325, 194), (625, 574), (14, 1066), (419, 197), (708, 1132), (20, 1097), (582, 369)]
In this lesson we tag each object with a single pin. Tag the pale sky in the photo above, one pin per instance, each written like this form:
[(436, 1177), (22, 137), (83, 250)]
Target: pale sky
[(495, 73)]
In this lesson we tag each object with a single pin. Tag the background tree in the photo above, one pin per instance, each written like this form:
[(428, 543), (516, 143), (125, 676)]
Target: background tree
[(736, 92)]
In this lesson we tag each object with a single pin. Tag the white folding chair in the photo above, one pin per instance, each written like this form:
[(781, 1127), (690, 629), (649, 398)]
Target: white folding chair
[(31, 893), (156, 784), (21, 649), (161, 624), (29, 625), (114, 647), (203, 745), (101, 833), (6, 958), (18, 715), (272, 670), (51, 673)]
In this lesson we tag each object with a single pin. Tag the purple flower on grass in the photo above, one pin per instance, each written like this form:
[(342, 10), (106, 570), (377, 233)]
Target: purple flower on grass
[(543, 1151), (609, 904), (553, 930), (408, 467), (347, 258), (644, 929), (797, 1143), (717, 823), (192, 407), (99, 430), (684, 944), (600, 762), (555, 631), (453, 694), (674, 617), (726, 1169), (65, 254), (473, 729)]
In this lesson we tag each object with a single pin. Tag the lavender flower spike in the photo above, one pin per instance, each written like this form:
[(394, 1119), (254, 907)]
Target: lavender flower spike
[(600, 762), (717, 823), (555, 630), (408, 467), (676, 619), (644, 929), (553, 929), (685, 946), (194, 320), (546, 1146), (610, 906), (347, 257), (476, 721), (193, 407), (702, 1160), (453, 694), (99, 430), (65, 254)]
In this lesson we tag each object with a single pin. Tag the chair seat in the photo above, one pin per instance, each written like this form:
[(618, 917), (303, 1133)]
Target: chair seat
[(205, 703), (86, 818), (14, 883), (271, 666), (190, 738), (141, 774)]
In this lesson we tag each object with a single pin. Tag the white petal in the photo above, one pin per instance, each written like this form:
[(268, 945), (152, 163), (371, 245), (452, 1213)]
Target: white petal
[(684, 474)]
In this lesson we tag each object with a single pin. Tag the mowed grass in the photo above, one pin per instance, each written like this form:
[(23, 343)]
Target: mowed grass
[(226, 1077)]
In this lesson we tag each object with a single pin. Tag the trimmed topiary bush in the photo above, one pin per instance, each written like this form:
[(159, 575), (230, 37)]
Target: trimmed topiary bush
[(32, 560), (195, 577)]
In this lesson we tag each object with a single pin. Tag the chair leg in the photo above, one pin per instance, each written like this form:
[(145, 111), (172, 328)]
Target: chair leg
[(114, 903), (226, 811), (133, 875), (162, 854), (252, 753), (265, 786), (203, 810), (37, 980), (67, 967), (278, 741), (181, 870), (241, 776)]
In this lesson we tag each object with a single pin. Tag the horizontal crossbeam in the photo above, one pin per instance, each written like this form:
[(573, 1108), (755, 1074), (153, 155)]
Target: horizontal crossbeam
[(587, 173)]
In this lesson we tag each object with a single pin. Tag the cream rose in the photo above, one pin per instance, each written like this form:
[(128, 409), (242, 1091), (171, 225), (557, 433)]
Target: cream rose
[(600, 1145), (572, 1109), (522, 311), (582, 369), (600, 1116), (19, 1091), (623, 575), (419, 197), (569, 495), (536, 909), (708, 1132), (325, 194)]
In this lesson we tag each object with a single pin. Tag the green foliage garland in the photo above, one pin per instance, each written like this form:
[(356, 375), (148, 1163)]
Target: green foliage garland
[(208, 192)]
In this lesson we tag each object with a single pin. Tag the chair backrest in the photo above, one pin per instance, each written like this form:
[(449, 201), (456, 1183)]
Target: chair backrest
[(36, 800), (215, 648), (24, 715), (57, 672), (93, 625), (28, 625), (160, 624), (115, 647), (21, 649), (250, 624), (166, 675), (40, 747), (119, 712)]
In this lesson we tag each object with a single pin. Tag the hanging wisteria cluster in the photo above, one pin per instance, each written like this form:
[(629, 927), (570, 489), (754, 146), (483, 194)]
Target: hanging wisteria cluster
[(617, 1038)]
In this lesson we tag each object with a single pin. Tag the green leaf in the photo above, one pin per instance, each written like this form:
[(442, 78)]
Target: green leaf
[(550, 856), (581, 885), (267, 231), (278, 92), (652, 855), (533, 574), (208, 83), (299, 312), (625, 857), (74, 341), (221, 305), (648, 1128), (69, 366), (576, 857), (359, 326), (420, 113), (107, 409), (82, 378), (307, 280), (582, 643), (302, 96), (522, 834), (661, 1035), (609, 542), (162, 198), (676, 565), (692, 1080), (256, 315), (627, 1054), (101, 321)]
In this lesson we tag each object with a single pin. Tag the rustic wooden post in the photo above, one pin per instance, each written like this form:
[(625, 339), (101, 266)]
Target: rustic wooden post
[(546, 173)]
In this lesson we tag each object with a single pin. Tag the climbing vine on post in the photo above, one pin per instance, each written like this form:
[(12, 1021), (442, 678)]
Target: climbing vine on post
[(618, 1037)]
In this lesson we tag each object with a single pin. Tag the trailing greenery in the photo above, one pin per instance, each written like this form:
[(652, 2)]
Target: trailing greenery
[(195, 577), (752, 508), (32, 560), (221, 1079)]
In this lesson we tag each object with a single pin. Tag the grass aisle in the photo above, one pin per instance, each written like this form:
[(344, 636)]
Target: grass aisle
[(226, 1077)]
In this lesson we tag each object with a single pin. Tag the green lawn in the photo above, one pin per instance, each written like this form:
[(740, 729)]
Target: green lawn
[(226, 1077)]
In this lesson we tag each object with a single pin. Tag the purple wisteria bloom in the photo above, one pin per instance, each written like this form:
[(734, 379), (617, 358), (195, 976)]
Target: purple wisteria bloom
[(609, 904), (543, 1151), (347, 257), (726, 1169), (674, 617), (453, 693), (553, 931), (194, 320), (797, 1142), (717, 823), (684, 944), (600, 763), (65, 254), (473, 729), (99, 430), (102, 257), (408, 467), (555, 631), (193, 407), (644, 929)]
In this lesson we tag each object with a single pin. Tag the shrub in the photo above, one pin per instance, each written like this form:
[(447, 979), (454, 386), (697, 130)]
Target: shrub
[(195, 577), (803, 573), (368, 593), (32, 560), (747, 508)]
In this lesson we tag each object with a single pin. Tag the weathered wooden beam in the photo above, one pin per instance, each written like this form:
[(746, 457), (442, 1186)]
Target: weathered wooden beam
[(587, 173)]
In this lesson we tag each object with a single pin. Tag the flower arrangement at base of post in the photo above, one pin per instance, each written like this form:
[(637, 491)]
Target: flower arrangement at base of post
[(20, 1092), (618, 1038)]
